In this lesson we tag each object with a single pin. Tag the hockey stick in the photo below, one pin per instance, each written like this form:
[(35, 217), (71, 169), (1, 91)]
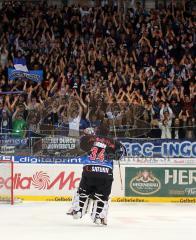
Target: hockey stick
[(119, 166)]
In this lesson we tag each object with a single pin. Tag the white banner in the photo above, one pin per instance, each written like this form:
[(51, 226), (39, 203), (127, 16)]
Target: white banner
[(56, 179), (158, 161), (51, 180)]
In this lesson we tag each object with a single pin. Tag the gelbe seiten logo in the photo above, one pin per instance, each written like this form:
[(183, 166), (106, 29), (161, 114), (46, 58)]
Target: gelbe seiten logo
[(145, 183)]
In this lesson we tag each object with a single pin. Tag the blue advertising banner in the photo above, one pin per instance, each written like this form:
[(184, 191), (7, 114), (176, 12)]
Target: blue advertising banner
[(44, 160), (159, 148), (13, 141), (33, 75)]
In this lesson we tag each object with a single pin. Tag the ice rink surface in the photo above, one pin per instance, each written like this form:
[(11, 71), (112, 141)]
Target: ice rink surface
[(126, 221)]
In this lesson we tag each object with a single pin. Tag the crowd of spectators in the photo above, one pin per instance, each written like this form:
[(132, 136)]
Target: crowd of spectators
[(130, 69)]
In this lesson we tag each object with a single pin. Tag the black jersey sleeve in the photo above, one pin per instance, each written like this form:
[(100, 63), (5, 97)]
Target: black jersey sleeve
[(86, 143)]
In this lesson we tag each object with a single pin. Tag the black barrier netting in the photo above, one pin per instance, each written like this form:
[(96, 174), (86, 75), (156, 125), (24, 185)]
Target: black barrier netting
[(62, 137), (121, 120)]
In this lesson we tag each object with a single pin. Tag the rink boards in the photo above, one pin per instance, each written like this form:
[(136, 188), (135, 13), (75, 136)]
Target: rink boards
[(142, 182), (114, 199)]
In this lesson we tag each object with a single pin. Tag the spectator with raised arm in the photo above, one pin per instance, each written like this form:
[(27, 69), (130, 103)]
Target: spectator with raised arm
[(143, 58)]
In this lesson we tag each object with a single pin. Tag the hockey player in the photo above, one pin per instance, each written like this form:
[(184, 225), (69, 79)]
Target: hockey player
[(97, 176)]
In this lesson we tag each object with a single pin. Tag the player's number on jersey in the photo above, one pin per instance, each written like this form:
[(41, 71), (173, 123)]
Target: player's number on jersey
[(95, 155)]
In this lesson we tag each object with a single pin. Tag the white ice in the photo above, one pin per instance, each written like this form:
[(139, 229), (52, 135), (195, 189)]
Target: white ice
[(126, 221)]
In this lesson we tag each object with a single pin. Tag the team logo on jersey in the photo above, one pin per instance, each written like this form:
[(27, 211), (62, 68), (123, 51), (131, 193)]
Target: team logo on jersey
[(145, 183)]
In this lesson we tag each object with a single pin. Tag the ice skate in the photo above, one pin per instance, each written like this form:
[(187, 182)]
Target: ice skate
[(100, 221), (74, 213)]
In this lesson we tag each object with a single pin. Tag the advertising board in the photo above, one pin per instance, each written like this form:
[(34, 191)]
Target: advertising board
[(165, 148), (166, 182)]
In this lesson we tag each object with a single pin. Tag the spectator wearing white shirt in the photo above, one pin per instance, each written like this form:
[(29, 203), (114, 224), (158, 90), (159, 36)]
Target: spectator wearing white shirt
[(74, 121), (166, 112), (165, 126), (165, 123), (85, 11)]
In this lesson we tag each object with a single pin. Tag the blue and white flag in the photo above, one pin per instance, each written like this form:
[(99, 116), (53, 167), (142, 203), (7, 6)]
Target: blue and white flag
[(20, 70), (20, 64)]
